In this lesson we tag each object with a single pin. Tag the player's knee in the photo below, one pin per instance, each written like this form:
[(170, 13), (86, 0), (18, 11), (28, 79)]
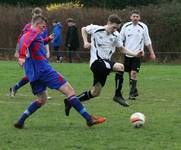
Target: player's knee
[(42, 101), (133, 74), (70, 93), (95, 93), (118, 67)]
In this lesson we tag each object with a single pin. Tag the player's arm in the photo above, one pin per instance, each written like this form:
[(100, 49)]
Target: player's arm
[(16, 54), (148, 44), (85, 38), (26, 40), (49, 38), (22, 55), (46, 40), (122, 33), (126, 51), (21, 61), (47, 50), (151, 51), (119, 45)]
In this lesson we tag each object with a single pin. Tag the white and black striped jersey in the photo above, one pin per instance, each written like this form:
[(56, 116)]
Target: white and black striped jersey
[(103, 44), (135, 37)]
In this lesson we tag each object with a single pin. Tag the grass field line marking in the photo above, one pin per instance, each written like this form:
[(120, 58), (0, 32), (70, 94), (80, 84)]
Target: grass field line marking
[(15, 102), (49, 101), (24, 95)]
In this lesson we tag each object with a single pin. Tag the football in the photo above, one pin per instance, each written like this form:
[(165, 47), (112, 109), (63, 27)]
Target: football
[(137, 119)]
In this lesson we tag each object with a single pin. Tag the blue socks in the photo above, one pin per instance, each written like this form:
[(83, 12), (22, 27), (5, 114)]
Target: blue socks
[(22, 82), (31, 109), (74, 101)]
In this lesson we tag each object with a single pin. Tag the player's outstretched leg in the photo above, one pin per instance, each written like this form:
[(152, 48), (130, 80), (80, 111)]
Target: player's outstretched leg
[(74, 102), (82, 97), (68, 107), (15, 88), (91, 120), (30, 110), (96, 120), (85, 96)]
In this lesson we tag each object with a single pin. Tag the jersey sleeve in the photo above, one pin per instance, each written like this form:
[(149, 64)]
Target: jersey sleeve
[(26, 28), (122, 33), (26, 40), (118, 42), (46, 40), (91, 28), (147, 39)]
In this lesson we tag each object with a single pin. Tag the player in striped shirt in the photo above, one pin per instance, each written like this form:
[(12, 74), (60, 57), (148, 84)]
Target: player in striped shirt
[(44, 34), (41, 75)]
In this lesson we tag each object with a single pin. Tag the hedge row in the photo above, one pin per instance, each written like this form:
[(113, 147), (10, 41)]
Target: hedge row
[(164, 22)]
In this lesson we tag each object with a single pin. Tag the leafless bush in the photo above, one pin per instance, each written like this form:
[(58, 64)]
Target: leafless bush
[(164, 22)]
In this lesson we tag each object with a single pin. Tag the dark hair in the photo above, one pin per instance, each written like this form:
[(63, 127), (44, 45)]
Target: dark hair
[(37, 11), (135, 11), (54, 21), (70, 20), (39, 19), (114, 19)]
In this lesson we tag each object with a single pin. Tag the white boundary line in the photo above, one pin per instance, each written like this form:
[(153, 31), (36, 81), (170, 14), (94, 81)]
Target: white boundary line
[(14, 100)]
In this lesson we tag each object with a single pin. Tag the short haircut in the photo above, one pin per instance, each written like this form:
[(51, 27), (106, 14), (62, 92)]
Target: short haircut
[(37, 11), (54, 21), (38, 19), (135, 11), (114, 19), (70, 20)]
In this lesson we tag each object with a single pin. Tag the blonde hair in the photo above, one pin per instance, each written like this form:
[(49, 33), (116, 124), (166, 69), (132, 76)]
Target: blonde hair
[(39, 19), (37, 11)]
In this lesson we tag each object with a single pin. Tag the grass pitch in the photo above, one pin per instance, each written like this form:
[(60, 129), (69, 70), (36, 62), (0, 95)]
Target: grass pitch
[(49, 129)]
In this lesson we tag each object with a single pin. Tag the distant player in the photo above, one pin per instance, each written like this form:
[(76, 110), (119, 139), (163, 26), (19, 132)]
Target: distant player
[(44, 34), (104, 40), (135, 35), (41, 75), (57, 41)]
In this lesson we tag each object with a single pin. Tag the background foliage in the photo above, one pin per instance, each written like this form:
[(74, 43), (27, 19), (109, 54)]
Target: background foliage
[(163, 20), (88, 3)]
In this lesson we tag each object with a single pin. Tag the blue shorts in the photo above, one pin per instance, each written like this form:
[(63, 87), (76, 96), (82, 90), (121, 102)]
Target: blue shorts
[(52, 80)]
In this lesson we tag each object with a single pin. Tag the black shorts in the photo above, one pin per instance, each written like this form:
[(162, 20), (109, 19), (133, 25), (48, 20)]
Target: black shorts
[(132, 64), (101, 69)]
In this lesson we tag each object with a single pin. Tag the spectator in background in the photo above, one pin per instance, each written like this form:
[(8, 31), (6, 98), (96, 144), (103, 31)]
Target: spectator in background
[(72, 39), (57, 41)]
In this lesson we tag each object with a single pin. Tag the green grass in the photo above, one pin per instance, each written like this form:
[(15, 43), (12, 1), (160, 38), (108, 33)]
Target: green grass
[(49, 129)]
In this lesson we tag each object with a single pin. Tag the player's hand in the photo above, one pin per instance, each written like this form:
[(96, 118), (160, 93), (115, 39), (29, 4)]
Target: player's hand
[(140, 54), (47, 55), (52, 36), (152, 57), (87, 45), (21, 61), (16, 55)]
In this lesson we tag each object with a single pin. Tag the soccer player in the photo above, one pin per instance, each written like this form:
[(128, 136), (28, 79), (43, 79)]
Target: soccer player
[(135, 35), (44, 34), (41, 75), (104, 40), (57, 41)]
